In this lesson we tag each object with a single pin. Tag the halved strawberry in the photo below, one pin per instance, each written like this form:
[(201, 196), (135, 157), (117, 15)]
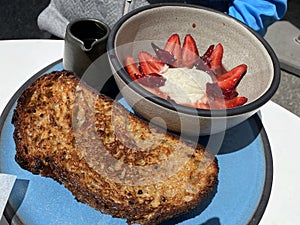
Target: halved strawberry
[(189, 51), (230, 94), (237, 71), (163, 55), (230, 80), (132, 68), (149, 64), (201, 65), (220, 103), (216, 55), (152, 80), (207, 54), (216, 59), (214, 91), (173, 46), (237, 101), (234, 102), (202, 106)]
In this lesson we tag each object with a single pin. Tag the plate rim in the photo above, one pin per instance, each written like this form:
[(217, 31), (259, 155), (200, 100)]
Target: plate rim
[(267, 188), (268, 181), (17, 94)]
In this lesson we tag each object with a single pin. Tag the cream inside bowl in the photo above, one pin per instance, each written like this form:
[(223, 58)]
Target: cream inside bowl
[(135, 32)]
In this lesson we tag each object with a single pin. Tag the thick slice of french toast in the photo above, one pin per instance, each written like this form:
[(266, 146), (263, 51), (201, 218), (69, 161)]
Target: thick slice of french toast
[(106, 156)]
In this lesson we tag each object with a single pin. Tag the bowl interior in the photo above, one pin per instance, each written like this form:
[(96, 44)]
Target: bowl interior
[(241, 45)]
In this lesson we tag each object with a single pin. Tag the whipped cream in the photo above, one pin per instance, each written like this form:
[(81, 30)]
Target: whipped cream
[(185, 86)]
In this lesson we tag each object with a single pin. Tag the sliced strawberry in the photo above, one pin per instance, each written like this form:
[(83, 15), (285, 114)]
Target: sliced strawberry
[(152, 80), (189, 51), (230, 94), (173, 46), (214, 91), (209, 51), (240, 69), (149, 64), (201, 65), (237, 101), (203, 106), (132, 68), (216, 59), (207, 54), (216, 56), (220, 103), (230, 80), (163, 55)]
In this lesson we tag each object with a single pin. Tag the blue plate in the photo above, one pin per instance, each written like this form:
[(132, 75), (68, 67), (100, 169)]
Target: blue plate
[(245, 181)]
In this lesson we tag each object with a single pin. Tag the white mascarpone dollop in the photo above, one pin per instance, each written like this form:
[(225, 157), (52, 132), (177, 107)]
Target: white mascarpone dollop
[(185, 86)]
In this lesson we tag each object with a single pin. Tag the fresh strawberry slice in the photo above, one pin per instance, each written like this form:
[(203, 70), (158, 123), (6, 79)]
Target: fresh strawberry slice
[(237, 101), (230, 80), (220, 103), (203, 106), (189, 51), (209, 51), (230, 94), (149, 64), (202, 65), (207, 54), (240, 69), (163, 55), (216, 59), (152, 80), (234, 102), (173, 46), (132, 68), (214, 91), (217, 56)]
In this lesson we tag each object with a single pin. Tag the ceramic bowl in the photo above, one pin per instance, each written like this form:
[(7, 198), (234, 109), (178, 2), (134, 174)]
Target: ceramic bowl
[(155, 23)]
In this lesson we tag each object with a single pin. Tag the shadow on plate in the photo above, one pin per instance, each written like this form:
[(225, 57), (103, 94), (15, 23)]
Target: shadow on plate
[(238, 137), (212, 221), (195, 212), (103, 81)]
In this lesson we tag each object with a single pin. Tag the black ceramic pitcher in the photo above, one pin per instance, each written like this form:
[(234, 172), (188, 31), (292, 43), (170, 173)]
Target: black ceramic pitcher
[(85, 54), (85, 41)]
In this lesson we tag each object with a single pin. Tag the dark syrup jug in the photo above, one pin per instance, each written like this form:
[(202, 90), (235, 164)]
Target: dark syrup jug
[(85, 54)]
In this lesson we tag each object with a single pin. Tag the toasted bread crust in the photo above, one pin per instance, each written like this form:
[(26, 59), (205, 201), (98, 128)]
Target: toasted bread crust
[(107, 157)]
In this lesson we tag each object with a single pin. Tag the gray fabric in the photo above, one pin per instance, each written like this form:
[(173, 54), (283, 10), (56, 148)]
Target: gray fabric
[(59, 13)]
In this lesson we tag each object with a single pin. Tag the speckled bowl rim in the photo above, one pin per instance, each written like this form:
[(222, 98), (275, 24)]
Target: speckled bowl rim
[(248, 107)]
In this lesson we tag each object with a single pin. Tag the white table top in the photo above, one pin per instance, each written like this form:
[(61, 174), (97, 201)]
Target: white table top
[(21, 59)]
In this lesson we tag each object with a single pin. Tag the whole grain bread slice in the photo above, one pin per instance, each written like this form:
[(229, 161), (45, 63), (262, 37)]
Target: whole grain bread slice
[(106, 156)]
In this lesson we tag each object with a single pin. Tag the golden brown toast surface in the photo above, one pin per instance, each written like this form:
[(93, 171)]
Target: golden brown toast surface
[(107, 157)]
